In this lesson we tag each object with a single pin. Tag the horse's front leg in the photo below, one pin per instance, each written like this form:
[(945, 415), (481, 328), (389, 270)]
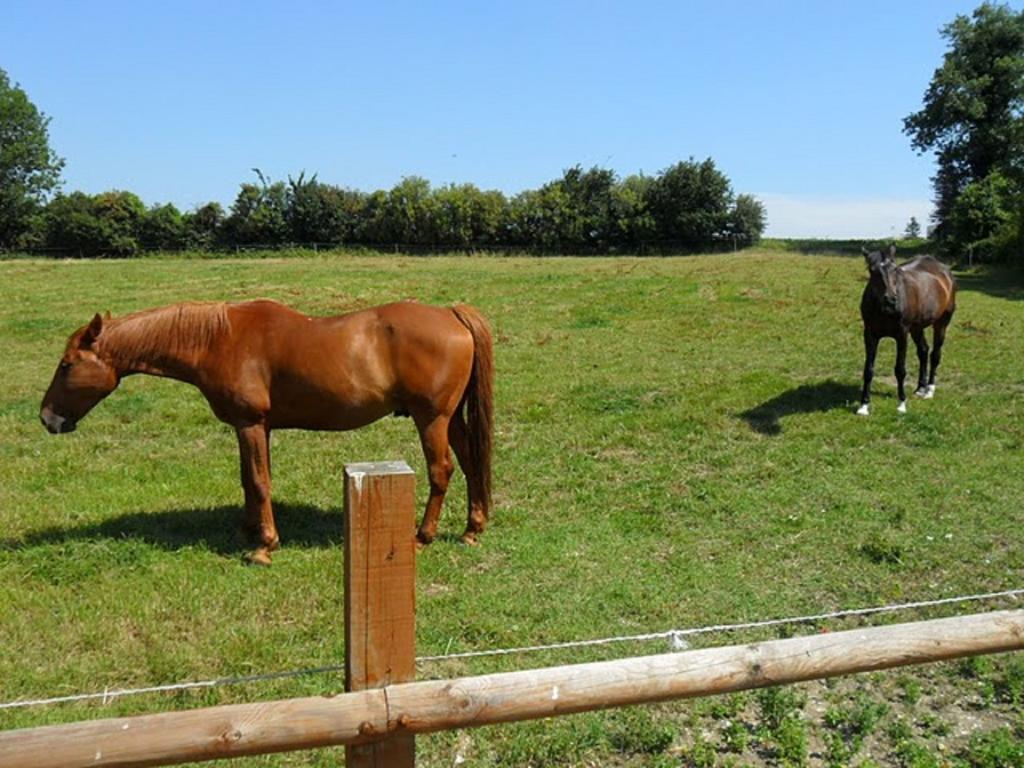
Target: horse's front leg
[(901, 370), (254, 452), (870, 350), (434, 438)]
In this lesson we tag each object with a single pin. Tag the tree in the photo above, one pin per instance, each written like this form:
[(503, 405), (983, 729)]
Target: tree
[(537, 218), (973, 111), (690, 203), (982, 219), (203, 226), (747, 219), (591, 204), (412, 207), (632, 221), (467, 216), (913, 230), (108, 224), (259, 215), (162, 228), (322, 213), (71, 224), (488, 211), (29, 169)]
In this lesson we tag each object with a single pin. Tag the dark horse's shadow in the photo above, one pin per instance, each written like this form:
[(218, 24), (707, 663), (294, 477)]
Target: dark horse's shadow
[(215, 528), (1002, 283), (807, 398)]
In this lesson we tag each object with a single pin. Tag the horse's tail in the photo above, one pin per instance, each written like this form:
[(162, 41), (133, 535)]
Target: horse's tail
[(479, 402)]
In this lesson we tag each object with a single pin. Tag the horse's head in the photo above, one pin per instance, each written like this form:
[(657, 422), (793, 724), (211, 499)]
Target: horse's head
[(883, 272), (82, 379)]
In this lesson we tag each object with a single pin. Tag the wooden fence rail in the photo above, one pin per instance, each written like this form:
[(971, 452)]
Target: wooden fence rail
[(395, 712)]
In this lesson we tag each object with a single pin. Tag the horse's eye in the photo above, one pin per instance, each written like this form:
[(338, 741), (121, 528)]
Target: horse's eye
[(65, 366)]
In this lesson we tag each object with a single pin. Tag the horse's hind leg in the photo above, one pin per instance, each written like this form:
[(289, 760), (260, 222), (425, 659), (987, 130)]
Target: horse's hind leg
[(477, 513), (922, 358), (254, 451), (937, 342), (434, 438)]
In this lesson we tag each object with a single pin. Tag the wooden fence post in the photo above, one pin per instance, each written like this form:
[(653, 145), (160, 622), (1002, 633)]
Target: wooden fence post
[(380, 594)]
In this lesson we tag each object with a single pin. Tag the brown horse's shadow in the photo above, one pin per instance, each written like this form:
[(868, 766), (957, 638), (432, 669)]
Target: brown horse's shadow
[(807, 398), (217, 529)]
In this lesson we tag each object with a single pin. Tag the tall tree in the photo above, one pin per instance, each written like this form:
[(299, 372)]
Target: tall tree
[(973, 111), (29, 169)]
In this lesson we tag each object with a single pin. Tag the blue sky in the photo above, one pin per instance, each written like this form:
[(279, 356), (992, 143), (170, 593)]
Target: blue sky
[(799, 103)]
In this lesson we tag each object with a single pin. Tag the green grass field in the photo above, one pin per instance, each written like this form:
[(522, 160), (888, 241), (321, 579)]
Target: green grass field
[(676, 446)]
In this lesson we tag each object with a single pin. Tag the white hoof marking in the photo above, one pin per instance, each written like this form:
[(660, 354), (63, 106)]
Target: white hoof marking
[(929, 393), (902, 407), (863, 410)]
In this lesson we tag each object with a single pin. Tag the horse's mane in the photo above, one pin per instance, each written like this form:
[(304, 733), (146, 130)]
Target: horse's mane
[(178, 330)]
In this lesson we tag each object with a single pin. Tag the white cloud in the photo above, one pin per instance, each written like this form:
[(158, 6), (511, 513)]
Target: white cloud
[(841, 218)]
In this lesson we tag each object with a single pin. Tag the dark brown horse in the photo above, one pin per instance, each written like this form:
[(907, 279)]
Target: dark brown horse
[(263, 366), (905, 299)]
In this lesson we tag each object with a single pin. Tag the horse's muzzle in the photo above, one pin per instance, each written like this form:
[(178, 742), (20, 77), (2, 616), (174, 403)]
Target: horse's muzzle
[(56, 425)]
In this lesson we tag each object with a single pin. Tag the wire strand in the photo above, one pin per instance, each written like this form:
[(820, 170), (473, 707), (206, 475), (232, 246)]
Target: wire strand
[(675, 636), (680, 633), (108, 695)]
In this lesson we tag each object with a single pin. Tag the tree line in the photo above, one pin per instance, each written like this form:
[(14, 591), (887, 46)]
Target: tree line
[(688, 206)]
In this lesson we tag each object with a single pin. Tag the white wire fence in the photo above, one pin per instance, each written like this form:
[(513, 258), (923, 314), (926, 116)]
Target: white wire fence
[(676, 639)]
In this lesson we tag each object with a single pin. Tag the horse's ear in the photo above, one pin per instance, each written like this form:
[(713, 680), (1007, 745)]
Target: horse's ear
[(92, 331)]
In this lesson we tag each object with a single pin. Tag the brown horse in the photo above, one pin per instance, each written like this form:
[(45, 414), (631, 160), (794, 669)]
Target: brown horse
[(263, 366), (904, 299)]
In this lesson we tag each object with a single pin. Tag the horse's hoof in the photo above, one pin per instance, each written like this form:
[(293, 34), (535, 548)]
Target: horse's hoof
[(929, 393), (470, 539), (258, 557), (902, 407), (864, 410)]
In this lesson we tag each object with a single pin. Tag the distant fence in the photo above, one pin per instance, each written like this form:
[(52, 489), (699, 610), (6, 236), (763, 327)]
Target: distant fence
[(721, 244), (724, 244), (383, 710)]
